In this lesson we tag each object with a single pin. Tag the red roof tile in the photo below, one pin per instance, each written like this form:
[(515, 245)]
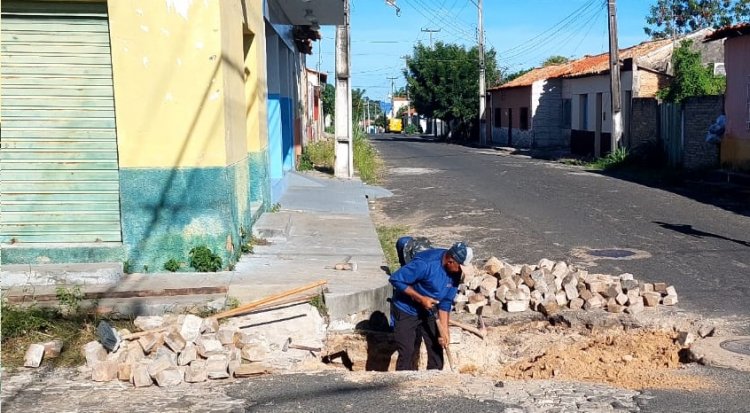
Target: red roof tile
[(739, 29)]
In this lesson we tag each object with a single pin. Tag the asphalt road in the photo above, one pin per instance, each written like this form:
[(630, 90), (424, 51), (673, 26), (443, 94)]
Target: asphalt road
[(523, 209)]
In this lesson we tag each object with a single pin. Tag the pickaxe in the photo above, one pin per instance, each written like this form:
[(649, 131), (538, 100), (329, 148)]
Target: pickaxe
[(288, 344)]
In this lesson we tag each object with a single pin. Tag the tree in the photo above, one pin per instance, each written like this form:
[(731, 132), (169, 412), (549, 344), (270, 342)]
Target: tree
[(691, 78), (329, 100), (684, 16), (444, 82), (555, 60)]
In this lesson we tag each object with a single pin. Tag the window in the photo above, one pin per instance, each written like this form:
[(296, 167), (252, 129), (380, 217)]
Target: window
[(583, 112), (567, 115), (498, 117), (524, 121)]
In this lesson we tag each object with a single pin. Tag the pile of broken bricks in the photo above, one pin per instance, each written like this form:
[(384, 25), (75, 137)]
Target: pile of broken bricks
[(549, 287), (172, 350)]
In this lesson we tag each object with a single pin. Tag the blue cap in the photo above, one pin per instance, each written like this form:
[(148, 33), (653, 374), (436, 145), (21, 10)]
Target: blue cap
[(461, 253)]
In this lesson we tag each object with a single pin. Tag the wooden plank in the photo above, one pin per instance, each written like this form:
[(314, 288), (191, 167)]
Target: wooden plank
[(52, 206), (62, 70), (56, 145), (64, 123), (58, 217), (59, 196), (78, 165), (55, 81), (74, 134), (54, 91), (15, 187), (47, 38), (58, 156), (22, 113), (60, 237), (56, 25), (53, 175)]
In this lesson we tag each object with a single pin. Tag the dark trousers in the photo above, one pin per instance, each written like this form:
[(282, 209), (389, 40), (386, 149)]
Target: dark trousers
[(409, 332)]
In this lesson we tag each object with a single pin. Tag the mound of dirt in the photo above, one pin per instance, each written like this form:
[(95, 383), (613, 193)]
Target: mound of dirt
[(633, 360)]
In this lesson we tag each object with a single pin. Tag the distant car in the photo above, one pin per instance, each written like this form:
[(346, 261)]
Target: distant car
[(394, 126)]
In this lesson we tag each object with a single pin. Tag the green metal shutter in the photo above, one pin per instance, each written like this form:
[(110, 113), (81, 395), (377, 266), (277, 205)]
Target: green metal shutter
[(59, 177)]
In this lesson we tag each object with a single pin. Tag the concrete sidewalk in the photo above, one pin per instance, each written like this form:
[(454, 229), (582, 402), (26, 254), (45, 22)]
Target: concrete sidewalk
[(322, 221)]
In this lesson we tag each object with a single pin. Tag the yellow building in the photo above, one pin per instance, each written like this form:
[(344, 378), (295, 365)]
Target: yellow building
[(133, 130)]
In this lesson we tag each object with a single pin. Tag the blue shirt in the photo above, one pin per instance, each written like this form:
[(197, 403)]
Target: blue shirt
[(426, 275)]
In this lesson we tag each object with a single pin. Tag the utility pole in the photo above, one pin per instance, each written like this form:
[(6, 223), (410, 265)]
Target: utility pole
[(482, 91), (408, 98), (393, 108), (614, 78), (343, 163), (430, 31), (321, 89)]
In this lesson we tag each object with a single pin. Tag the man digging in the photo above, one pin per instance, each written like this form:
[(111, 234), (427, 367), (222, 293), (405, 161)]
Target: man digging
[(424, 286)]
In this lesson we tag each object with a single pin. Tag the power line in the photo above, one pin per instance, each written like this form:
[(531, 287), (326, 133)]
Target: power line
[(448, 27)]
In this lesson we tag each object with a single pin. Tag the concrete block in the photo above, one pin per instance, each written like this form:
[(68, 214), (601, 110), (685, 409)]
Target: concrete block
[(613, 307), (150, 342), (626, 277), (493, 266), (651, 299), (473, 284), (647, 287), (187, 355), (596, 286), (251, 369), (94, 353), (52, 349), (517, 306), (234, 361), (473, 308), (706, 330), (196, 372), (576, 303), (191, 327), (159, 364), (634, 296), (169, 378), (125, 371), (494, 309), (585, 294), (685, 338), (166, 352), (560, 269), (501, 292), (254, 352), (549, 308), (546, 264), (146, 323), (561, 298), (635, 307), (141, 378), (225, 335), (217, 366), (33, 356), (210, 325), (669, 300), (526, 276), (208, 346), (612, 291), (596, 301), (134, 353), (660, 288), (621, 299), (671, 291), (175, 341), (476, 298), (105, 370), (628, 285)]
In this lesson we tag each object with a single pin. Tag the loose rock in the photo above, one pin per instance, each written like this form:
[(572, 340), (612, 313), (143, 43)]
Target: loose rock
[(33, 356)]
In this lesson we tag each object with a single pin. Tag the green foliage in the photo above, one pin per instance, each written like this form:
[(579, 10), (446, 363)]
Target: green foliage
[(366, 158), (691, 78), (685, 16), (613, 160), (411, 129), (329, 100), (305, 163), (380, 121), (231, 303), (387, 235), (444, 81), (18, 321), (70, 299), (202, 259), (320, 154), (555, 60), (127, 267), (172, 265), (319, 302), (275, 208)]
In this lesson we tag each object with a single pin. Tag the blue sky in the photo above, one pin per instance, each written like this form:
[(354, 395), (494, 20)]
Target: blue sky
[(523, 31)]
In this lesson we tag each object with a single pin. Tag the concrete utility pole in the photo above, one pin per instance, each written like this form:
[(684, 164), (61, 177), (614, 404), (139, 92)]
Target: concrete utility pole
[(343, 163), (430, 31), (408, 98), (482, 91), (614, 78), (393, 108)]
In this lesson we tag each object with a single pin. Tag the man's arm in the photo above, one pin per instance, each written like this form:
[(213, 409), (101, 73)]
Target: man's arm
[(443, 318), (403, 279)]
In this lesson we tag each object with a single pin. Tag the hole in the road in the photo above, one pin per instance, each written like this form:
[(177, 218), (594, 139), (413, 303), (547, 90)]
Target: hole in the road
[(741, 346), (611, 253)]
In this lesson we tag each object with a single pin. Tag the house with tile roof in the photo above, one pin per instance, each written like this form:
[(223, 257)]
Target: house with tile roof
[(735, 145), (568, 105)]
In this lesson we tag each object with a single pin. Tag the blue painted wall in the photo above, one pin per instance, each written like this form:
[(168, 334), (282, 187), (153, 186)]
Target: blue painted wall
[(275, 137), (287, 121)]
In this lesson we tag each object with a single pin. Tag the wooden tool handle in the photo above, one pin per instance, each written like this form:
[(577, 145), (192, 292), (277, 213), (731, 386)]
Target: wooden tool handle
[(468, 328), (257, 303), (442, 333)]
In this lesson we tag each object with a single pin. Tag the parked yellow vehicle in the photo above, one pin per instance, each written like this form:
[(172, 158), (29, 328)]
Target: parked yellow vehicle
[(394, 125)]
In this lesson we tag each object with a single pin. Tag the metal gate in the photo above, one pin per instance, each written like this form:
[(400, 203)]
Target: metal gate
[(670, 131), (59, 177)]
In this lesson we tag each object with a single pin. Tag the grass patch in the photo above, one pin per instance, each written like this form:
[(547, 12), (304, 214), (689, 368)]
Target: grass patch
[(22, 326), (388, 236), (319, 156), (613, 160), (366, 159)]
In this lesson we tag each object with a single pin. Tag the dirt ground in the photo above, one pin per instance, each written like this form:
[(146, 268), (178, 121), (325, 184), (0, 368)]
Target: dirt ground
[(631, 359)]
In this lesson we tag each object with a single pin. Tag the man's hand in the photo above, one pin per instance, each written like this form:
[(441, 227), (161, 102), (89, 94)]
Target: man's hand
[(443, 342), (426, 302)]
